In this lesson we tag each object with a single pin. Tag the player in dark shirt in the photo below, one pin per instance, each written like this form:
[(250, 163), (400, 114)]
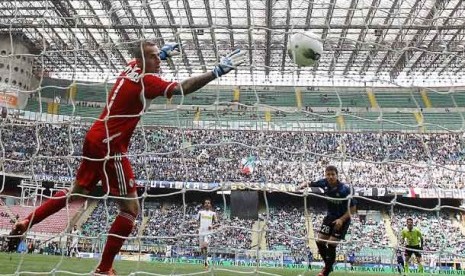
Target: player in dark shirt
[(309, 259), (400, 261), (337, 221), (351, 260)]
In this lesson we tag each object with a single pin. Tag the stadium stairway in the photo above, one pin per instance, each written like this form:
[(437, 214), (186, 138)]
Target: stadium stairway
[(145, 219), (85, 213), (372, 98), (425, 98), (259, 235), (419, 118), (259, 229), (389, 231), (341, 122), (311, 234)]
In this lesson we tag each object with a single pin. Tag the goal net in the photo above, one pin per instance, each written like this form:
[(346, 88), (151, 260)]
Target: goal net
[(384, 104)]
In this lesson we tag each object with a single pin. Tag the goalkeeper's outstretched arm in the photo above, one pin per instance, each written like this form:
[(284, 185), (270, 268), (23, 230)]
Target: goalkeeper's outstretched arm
[(226, 65)]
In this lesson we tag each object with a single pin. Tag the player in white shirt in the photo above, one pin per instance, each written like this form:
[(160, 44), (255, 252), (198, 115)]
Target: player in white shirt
[(207, 217), (74, 248), (433, 263)]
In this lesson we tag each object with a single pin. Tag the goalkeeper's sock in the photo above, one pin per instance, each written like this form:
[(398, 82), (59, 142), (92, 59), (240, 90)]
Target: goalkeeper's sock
[(122, 226), (331, 257), (322, 249), (420, 267), (48, 208)]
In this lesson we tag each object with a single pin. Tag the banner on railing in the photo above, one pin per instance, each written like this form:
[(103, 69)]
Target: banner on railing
[(11, 97), (282, 187)]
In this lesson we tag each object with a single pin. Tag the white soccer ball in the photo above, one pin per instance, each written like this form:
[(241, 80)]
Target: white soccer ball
[(304, 48)]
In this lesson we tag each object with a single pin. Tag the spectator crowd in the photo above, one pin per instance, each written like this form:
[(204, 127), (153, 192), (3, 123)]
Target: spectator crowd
[(173, 224), (198, 155)]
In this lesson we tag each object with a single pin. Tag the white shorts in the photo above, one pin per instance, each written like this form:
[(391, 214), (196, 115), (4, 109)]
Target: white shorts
[(74, 246), (204, 239)]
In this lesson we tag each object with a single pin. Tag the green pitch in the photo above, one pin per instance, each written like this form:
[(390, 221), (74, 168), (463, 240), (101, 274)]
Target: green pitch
[(9, 263)]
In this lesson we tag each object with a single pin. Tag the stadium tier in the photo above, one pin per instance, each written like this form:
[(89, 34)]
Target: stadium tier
[(274, 155), (277, 96), (352, 109)]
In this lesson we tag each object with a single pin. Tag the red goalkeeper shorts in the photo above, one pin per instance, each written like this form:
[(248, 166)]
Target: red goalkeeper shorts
[(115, 172)]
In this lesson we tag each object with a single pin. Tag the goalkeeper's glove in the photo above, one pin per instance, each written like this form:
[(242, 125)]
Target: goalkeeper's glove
[(169, 50), (229, 62)]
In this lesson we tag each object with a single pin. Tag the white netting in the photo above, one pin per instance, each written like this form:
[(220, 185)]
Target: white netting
[(395, 135)]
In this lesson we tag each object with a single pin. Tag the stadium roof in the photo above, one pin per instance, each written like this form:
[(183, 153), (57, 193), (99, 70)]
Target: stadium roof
[(397, 41)]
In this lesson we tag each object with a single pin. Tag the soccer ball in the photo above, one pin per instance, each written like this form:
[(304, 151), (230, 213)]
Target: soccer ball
[(304, 48)]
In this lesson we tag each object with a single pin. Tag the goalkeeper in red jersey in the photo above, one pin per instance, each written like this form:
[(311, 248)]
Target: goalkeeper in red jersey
[(106, 144)]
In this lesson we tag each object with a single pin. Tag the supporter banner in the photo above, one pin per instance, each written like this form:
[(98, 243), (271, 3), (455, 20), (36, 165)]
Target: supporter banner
[(398, 191), (248, 164), (9, 100), (178, 185), (13, 99), (54, 178), (378, 192), (268, 186), (290, 188), (220, 186), (442, 193)]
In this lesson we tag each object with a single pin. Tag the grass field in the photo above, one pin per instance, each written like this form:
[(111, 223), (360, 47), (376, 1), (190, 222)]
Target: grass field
[(41, 264)]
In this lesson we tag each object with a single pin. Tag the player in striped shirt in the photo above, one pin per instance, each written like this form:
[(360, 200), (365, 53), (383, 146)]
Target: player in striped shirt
[(74, 246), (207, 218)]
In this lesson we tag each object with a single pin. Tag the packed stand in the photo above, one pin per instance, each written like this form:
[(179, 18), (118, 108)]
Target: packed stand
[(240, 229), (286, 229), (99, 221), (173, 154), (171, 226)]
